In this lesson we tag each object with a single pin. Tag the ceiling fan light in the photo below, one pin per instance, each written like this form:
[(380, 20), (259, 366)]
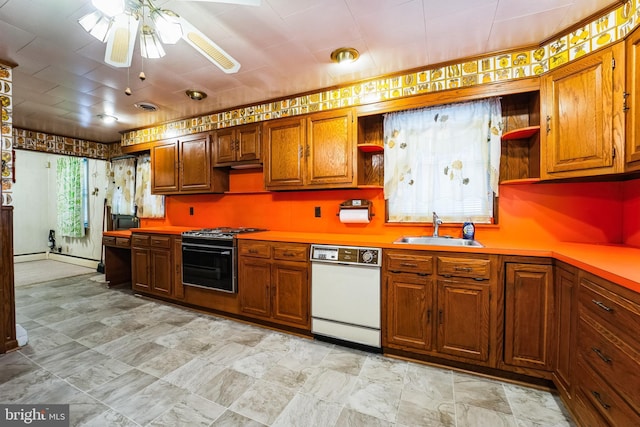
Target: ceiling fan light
[(167, 25), (150, 45), (97, 25), (109, 7)]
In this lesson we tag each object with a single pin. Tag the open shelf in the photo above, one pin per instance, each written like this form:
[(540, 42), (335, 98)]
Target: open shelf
[(370, 148), (521, 133)]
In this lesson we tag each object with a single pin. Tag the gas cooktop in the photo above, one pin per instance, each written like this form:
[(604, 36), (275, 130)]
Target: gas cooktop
[(224, 233)]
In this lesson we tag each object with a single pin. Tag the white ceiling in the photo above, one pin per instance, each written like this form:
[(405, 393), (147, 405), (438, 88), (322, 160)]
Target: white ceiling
[(61, 82)]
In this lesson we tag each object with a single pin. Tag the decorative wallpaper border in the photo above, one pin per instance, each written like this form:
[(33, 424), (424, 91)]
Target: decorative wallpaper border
[(6, 142), (598, 34), (56, 144)]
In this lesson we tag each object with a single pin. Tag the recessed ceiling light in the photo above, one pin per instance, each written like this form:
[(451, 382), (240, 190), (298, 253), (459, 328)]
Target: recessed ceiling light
[(344, 55), (107, 118), (196, 95)]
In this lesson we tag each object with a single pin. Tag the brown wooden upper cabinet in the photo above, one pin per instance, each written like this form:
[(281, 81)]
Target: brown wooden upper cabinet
[(583, 116), (631, 103), (183, 165), (237, 145), (316, 151)]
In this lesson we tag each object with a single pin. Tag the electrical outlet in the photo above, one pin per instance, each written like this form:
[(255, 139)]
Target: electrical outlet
[(318, 213), (191, 210)]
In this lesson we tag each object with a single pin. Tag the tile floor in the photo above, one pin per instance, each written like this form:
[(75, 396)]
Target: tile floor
[(122, 360)]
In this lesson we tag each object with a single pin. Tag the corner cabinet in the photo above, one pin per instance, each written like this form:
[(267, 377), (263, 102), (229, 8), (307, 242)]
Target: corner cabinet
[(183, 166), (273, 282), (440, 304), (582, 116), (238, 145), (310, 152)]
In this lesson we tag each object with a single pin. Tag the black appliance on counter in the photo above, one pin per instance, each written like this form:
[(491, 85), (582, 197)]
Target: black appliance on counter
[(209, 258)]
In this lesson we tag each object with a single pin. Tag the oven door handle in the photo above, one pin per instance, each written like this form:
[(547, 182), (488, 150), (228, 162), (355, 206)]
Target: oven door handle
[(210, 250)]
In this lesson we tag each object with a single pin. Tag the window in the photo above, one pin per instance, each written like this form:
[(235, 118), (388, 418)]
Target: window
[(443, 159)]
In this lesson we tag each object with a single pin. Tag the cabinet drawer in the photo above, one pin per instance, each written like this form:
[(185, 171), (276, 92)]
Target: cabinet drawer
[(606, 305), (611, 357), (291, 252), (161, 242), (140, 240), (123, 242), (255, 249), (108, 240), (603, 399), (409, 263), (464, 267)]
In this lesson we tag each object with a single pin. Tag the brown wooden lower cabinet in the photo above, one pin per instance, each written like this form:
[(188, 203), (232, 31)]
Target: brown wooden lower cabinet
[(565, 278), (447, 314), (529, 309), (152, 264), (273, 282)]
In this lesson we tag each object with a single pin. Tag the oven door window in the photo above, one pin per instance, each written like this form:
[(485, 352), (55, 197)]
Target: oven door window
[(210, 267)]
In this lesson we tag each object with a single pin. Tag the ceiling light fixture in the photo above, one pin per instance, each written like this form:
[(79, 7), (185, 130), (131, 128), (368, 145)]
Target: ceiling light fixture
[(117, 22), (107, 118), (196, 95), (345, 55)]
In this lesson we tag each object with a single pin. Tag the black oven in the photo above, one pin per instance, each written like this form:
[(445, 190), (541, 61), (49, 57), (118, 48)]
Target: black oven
[(209, 264), (209, 257)]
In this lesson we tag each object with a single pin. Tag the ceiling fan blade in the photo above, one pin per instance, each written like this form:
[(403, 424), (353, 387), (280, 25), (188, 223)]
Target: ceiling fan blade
[(207, 48), (121, 41), (242, 2)]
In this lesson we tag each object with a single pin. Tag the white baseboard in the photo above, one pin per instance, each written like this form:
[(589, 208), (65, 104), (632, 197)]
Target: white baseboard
[(73, 260), (29, 257)]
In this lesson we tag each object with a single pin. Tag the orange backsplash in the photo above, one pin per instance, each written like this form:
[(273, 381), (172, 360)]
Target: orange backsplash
[(595, 212)]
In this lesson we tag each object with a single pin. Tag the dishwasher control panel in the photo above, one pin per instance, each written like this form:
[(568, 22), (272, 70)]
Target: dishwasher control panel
[(346, 254)]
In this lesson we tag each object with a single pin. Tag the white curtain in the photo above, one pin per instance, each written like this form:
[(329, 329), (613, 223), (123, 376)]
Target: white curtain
[(149, 205), (121, 188), (443, 159), (70, 217)]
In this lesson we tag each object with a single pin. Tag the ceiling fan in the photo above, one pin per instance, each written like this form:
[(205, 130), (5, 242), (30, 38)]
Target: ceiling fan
[(116, 23)]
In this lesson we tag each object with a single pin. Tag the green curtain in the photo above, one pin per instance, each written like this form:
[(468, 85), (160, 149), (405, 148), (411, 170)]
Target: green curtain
[(69, 197)]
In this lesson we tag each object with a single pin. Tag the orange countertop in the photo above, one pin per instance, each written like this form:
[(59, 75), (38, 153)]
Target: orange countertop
[(617, 263), (164, 229), (117, 233)]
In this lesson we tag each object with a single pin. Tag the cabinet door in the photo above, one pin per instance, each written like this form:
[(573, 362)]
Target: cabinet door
[(290, 293), (565, 329), (409, 311), (195, 163), (224, 146), (528, 311), (632, 101), (284, 144), (329, 151), (463, 319), (164, 167), (247, 143), (253, 286), (583, 126), (140, 269), (177, 265), (161, 272)]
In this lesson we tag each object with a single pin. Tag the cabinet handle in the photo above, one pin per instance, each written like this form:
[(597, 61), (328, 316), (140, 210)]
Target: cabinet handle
[(548, 124), (602, 306), (308, 151), (429, 315), (625, 107), (600, 401), (289, 254), (300, 151), (601, 355), (465, 269), (253, 251), (407, 264), (441, 316)]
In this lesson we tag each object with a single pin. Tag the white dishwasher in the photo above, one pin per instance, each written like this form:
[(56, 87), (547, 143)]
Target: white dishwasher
[(345, 294)]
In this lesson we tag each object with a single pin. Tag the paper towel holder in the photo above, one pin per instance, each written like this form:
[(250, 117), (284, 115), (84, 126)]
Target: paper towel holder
[(357, 204)]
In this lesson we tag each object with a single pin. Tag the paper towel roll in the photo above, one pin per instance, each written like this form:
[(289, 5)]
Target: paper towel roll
[(354, 216)]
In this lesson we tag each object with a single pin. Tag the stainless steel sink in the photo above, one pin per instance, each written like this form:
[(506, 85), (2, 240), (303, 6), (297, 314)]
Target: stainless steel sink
[(438, 241)]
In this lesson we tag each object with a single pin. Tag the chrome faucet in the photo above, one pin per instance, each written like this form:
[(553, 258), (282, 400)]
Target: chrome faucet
[(436, 224)]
